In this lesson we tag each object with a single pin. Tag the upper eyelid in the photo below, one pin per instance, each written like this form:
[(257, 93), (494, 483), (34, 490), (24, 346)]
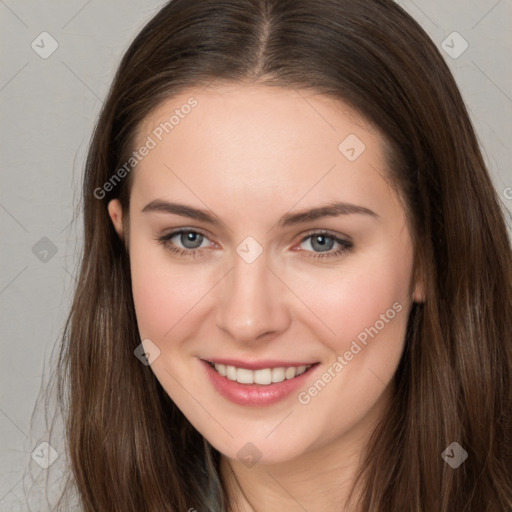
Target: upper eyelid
[(327, 232)]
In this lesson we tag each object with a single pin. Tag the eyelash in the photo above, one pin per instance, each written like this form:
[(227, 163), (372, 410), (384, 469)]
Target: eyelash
[(164, 240)]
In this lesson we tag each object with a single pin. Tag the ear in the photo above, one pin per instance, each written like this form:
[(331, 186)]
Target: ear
[(115, 211), (418, 294), (419, 281)]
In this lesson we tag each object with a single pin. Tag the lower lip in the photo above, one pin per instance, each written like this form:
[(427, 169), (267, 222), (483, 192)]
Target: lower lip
[(255, 394)]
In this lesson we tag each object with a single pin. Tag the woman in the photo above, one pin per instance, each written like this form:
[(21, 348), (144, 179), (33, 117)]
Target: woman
[(295, 291)]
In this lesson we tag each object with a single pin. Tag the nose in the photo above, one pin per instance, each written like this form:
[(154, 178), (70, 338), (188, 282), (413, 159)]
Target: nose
[(252, 305)]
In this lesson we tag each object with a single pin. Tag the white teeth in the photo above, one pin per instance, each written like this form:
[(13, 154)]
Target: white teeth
[(278, 374), (244, 376), (264, 376), (301, 370), (230, 372), (290, 373)]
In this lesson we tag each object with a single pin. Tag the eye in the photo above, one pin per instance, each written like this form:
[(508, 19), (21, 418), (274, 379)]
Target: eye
[(324, 242), (190, 239)]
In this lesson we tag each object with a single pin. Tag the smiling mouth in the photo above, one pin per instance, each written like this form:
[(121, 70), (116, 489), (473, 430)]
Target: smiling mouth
[(263, 376)]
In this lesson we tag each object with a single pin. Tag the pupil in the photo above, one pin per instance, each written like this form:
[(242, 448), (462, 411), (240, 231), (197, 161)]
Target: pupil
[(191, 237), (323, 245)]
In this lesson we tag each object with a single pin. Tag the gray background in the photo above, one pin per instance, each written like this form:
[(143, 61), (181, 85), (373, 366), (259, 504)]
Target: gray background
[(48, 108)]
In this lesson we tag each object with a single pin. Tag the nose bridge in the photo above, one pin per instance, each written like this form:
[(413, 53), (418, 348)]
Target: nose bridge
[(253, 302)]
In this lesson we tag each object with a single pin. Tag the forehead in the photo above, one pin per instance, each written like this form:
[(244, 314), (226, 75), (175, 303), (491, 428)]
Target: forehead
[(242, 110), (269, 143)]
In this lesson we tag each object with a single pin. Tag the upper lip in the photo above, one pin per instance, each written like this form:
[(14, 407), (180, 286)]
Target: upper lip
[(258, 365)]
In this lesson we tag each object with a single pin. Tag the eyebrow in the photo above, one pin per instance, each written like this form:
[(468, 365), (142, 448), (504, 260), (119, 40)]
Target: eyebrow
[(333, 209), (290, 219)]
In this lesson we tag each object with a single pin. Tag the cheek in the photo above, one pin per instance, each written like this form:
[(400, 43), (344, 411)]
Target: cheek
[(166, 295), (367, 307), (368, 292)]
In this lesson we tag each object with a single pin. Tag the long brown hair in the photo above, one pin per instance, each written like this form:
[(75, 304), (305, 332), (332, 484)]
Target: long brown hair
[(130, 447)]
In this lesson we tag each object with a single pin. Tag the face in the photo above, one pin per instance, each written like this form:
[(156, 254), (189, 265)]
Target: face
[(229, 268)]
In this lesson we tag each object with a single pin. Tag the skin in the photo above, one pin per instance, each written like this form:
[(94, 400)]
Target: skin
[(250, 154)]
